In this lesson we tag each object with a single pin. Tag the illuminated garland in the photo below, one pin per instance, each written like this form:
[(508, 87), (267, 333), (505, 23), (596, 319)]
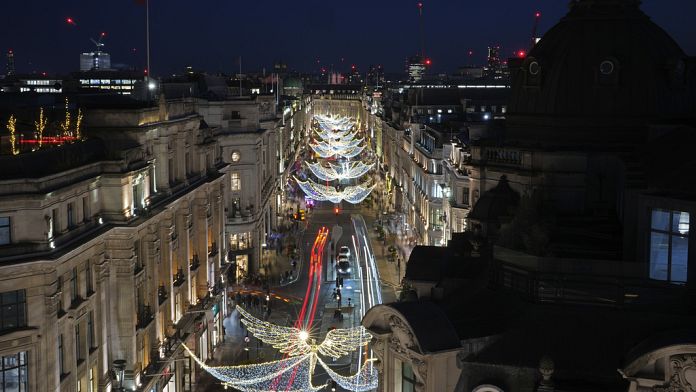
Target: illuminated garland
[(324, 151), (295, 372), (352, 194), (339, 172)]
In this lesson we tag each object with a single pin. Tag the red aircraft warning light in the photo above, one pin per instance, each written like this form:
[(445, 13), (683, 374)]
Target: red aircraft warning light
[(428, 62), (521, 54), (70, 21)]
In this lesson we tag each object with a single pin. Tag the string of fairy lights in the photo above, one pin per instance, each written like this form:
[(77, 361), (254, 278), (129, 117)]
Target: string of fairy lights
[(295, 372), (337, 139)]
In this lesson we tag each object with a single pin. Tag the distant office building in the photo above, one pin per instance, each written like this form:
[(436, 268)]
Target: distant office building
[(10, 67), (121, 82), (95, 60), (494, 66), (415, 68), (336, 78)]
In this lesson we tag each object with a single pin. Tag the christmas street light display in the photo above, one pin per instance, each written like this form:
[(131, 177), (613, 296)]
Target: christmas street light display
[(294, 373), (324, 151), (352, 194), (343, 171)]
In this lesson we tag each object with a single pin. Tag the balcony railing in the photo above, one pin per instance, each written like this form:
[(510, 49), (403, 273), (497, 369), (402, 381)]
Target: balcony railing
[(212, 250), (161, 294), (194, 263), (145, 317), (179, 277)]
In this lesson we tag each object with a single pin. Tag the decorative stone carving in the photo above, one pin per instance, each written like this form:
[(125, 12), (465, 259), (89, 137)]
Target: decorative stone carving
[(378, 347), (401, 334), (683, 375), (420, 370)]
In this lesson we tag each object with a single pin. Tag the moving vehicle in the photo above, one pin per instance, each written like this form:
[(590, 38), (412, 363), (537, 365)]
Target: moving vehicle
[(343, 265), (344, 251)]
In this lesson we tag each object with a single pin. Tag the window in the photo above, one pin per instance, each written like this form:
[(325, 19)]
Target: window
[(71, 215), (78, 344), (92, 381), (85, 209), (13, 369), (74, 286), (5, 237), (54, 222), (408, 379), (61, 356), (465, 196), (13, 306), (90, 330), (669, 245), (235, 181), (88, 277)]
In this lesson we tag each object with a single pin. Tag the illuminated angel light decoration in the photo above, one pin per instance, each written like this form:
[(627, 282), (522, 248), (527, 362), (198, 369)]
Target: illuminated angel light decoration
[(339, 172), (331, 123), (324, 151), (333, 134), (339, 144), (294, 373), (352, 194)]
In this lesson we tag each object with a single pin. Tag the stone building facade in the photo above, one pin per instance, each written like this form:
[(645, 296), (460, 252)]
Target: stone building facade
[(114, 254)]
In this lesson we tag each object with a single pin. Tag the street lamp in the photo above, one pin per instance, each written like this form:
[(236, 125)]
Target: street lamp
[(119, 368)]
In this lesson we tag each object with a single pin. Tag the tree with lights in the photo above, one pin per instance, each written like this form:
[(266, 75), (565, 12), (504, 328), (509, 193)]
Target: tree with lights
[(294, 373), (40, 126), (12, 127)]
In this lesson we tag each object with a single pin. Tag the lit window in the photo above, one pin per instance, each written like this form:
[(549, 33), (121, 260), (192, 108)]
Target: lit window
[(13, 372), (235, 181), (669, 245)]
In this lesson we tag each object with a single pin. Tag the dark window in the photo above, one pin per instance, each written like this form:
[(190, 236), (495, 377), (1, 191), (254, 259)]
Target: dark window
[(669, 245), (5, 233), (408, 379), (13, 373), (78, 344), (13, 310), (74, 286), (71, 215), (465, 196), (88, 277), (85, 209), (90, 330), (61, 357)]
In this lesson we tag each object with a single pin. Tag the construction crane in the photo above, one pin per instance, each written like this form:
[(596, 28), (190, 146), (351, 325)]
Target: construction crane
[(98, 43), (535, 26)]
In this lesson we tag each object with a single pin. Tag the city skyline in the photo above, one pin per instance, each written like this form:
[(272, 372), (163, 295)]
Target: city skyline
[(217, 36)]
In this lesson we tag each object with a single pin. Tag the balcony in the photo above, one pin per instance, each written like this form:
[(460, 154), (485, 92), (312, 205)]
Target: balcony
[(212, 249), (179, 277), (161, 294), (194, 263), (145, 317)]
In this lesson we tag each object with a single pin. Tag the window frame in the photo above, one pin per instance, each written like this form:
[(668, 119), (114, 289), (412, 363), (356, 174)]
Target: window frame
[(671, 235), (20, 312), (22, 367), (7, 227)]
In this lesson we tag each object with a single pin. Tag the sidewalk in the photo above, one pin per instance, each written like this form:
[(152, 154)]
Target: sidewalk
[(391, 272)]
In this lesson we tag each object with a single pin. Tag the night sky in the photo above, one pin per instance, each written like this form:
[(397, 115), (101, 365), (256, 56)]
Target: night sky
[(212, 34)]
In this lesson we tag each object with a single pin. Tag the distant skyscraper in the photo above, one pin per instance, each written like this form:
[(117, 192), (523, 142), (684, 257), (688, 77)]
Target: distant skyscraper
[(415, 68), (10, 63), (494, 66), (95, 61)]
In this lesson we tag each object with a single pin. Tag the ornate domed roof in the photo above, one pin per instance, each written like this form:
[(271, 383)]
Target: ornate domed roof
[(604, 59)]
